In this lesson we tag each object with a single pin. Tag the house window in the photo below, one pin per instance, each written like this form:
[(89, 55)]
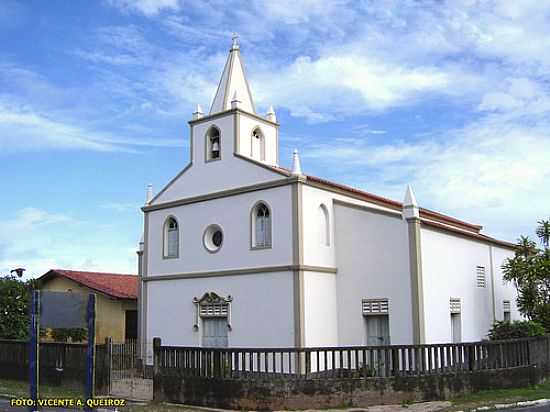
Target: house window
[(171, 238), (506, 308), (213, 144), (261, 226), (481, 280), (213, 312), (258, 145), (324, 226), (456, 321), (376, 315)]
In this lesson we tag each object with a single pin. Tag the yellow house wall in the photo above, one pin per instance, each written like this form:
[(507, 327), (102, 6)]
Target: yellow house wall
[(110, 313)]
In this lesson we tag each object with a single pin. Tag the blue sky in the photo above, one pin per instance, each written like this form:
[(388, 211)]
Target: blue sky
[(452, 97)]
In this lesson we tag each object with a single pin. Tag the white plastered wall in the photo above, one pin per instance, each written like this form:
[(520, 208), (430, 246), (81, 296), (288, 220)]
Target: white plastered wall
[(247, 124), (320, 309), (504, 290), (229, 172), (261, 311), (232, 214), (449, 271), (372, 256)]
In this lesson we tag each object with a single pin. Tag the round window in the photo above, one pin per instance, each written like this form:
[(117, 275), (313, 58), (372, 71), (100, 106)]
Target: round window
[(213, 238)]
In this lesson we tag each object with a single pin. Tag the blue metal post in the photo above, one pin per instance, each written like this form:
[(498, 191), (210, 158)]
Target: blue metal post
[(90, 356), (34, 352)]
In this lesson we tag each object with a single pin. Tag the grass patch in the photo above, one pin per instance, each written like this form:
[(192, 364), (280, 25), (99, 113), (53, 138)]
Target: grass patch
[(160, 407), (21, 389), (498, 396)]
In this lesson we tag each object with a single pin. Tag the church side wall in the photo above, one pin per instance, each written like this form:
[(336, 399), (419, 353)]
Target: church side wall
[(503, 290), (372, 255), (320, 307), (449, 271), (233, 215), (261, 311)]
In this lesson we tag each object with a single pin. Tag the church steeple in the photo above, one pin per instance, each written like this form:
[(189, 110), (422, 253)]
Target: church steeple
[(233, 82)]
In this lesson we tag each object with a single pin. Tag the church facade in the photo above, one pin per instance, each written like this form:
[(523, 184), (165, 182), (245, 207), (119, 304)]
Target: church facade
[(240, 252)]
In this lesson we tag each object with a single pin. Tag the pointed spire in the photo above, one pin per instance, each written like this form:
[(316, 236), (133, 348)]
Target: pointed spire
[(198, 113), (235, 101), (296, 166), (410, 207), (270, 115), (149, 195), (233, 79)]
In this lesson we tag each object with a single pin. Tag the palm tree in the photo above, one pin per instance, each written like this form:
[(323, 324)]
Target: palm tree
[(525, 247), (543, 232)]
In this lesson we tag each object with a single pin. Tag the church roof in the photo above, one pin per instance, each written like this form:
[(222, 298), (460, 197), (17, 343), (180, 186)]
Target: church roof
[(116, 285), (233, 83)]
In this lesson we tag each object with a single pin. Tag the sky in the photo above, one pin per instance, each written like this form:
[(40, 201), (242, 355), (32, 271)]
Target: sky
[(452, 97)]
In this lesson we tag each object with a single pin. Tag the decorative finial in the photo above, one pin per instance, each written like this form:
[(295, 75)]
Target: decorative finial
[(410, 207), (235, 43), (296, 166), (198, 113), (270, 115), (235, 101), (149, 195), (141, 244)]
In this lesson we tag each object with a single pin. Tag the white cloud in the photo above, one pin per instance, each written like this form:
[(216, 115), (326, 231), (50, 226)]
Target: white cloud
[(146, 7), (346, 84), (23, 129), (39, 240), (493, 171)]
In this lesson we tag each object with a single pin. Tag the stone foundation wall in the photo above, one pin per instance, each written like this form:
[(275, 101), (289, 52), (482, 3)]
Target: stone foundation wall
[(280, 394)]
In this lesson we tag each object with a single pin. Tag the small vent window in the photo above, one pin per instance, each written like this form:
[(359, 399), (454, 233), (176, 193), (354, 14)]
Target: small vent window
[(375, 306), (481, 280), (506, 311), (455, 305), (214, 310)]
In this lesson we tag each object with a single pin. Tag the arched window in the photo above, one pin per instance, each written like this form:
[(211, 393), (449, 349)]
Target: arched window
[(324, 226), (261, 226), (213, 144), (258, 145), (171, 238)]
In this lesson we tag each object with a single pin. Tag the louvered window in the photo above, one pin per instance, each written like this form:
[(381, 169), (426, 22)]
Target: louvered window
[(212, 305), (375, 306), (506, 309), (480, 277), (214, 310), (454, 304)]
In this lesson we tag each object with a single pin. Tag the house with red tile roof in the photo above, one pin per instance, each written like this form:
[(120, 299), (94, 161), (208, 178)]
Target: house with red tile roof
[(116, 299)]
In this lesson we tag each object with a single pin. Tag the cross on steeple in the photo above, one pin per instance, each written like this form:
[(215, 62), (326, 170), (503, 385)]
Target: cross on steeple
[(235, 43)]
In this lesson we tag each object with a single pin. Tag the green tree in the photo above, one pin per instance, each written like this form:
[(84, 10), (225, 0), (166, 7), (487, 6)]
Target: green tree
[(529, 270), (15, 297)]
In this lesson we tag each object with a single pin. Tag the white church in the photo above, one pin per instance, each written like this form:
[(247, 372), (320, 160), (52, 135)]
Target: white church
[(240, 252)]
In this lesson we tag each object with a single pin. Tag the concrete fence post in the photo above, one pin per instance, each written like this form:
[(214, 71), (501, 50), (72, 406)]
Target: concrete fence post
[(108, 363), (156, 367), (156, 355)]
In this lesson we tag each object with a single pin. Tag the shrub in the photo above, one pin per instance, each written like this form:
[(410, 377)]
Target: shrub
[(502, 330)]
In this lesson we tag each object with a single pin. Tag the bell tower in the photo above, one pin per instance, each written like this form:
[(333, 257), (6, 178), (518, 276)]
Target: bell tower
[(232, 126)]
